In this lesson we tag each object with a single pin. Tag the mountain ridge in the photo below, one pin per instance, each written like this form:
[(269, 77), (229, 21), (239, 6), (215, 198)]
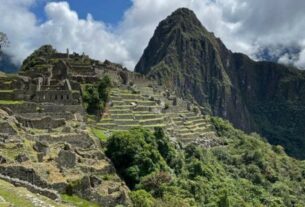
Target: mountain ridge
[(183, 55)]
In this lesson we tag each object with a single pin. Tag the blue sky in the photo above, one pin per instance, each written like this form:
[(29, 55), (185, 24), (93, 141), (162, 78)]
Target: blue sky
[(109, 11)]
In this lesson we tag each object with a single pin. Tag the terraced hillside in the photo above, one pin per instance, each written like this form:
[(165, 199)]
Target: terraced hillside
[(149, 107)]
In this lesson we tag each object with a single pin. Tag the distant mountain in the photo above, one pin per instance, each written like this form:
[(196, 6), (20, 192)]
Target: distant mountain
[(6, 65), (264, 97)]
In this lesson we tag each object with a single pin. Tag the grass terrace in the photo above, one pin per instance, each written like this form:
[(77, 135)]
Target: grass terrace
[(10, 102)]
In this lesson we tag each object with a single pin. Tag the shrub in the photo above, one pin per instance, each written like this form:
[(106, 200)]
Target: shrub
[(141, 198)]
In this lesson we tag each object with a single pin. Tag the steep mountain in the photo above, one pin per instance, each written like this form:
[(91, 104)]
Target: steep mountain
[(263, 97)]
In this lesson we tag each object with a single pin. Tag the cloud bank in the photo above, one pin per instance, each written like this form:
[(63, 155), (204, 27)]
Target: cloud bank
[(272, 30)]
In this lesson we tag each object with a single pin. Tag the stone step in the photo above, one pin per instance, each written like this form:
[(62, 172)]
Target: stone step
[(153, 126), (115, 98), (199, 121), (119, 111), (146, 116), (141, 102), (195, 119), (122, 116), (106, 121), (199, 129), (204, 124), (183, 130), (188, 134), (152, 121), (146, 108), (106, 125), (118, 102), (177, 119), (130, 96), (126, 122), (123, 106), (126, 127), (179, 123), (208, 134)]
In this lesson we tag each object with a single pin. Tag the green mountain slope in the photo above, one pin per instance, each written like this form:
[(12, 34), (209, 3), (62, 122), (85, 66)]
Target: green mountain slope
[(246, 172), (255, 96)]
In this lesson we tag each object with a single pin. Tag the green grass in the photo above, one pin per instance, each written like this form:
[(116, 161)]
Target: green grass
[(10, 102), (99, 134), (6, 91), (77, 202)]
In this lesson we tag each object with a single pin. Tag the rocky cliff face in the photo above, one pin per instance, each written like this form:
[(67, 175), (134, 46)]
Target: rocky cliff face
[(255, 96)]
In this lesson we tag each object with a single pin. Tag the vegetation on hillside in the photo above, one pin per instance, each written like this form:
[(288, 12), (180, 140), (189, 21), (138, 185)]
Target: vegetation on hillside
[(96, 96), (247, 171), (38, 58)]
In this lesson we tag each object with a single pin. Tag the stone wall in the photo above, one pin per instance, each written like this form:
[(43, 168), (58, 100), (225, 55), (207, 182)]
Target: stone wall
[(57, 96), (54, 115), (23, 173), (7, 95), (76, 140), (41, 123), (30, 107), (82, 69), (84, 79)]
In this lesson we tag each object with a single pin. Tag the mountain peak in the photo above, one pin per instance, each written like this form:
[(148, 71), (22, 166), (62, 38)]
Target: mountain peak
[(185, 18), (183, 12), (180, 31)]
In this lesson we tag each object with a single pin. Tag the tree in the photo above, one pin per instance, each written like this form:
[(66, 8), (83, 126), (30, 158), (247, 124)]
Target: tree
[(104, 87), (91, 98), (135, 155), (96, 96)]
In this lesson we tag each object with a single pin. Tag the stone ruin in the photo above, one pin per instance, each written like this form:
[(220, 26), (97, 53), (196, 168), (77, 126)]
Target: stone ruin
[(45, 144)]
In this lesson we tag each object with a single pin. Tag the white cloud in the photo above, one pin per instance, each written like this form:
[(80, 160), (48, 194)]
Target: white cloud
[(244, 26)]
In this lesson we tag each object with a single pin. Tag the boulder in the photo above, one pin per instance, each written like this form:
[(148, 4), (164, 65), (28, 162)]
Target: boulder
[(41, 147), (66, 159), (21, 158)]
